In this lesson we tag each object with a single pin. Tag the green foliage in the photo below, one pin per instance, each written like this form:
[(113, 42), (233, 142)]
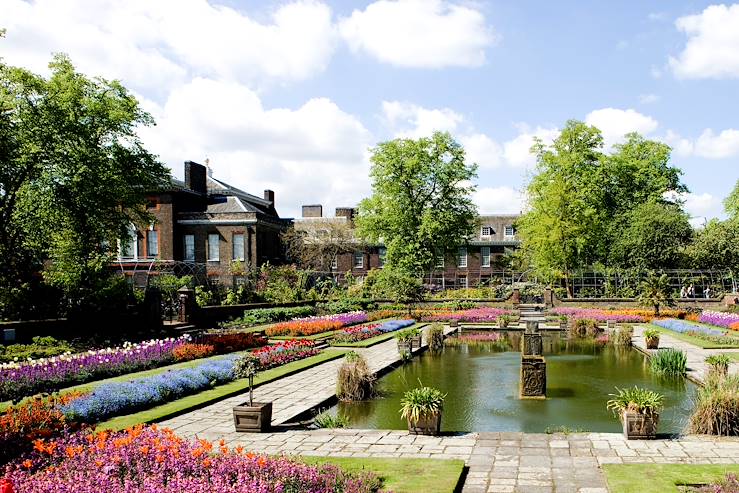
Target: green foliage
[(655, 291), (714, 246), (421, 402), (669, 361), (716, 409), (421, 201), (731, 203), (404, 335), (393, 284), (282, 284), (584, 327), (651, 334), (343, 305), (504, 321), (435, 335), (327, 420), (41, 347), (636, 399), (623, 335), (74, 176), (718, 360), (479, 293), (248, 366), (261, 316)]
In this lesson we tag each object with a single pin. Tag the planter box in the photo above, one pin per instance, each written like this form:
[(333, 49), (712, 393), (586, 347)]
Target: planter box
[(652, 343), (404, 347), (429, 425), (639, 426), (256, 418), (416, 342), (454, 323), (563, 325)]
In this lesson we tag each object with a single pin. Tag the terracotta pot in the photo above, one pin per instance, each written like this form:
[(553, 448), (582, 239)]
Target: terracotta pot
[(652, 342), (255, 419), (639, 426), (426, 425)]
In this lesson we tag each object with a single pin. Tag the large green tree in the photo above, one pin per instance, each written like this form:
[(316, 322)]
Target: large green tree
[(715, 246), (421, 200), (73, 173)]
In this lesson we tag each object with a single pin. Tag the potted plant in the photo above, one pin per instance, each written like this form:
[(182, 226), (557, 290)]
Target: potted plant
[(719, 364), (638, 409), (251, 416), (415, 338), (422, 407), (504, 321), (403, 337), (651, 338)]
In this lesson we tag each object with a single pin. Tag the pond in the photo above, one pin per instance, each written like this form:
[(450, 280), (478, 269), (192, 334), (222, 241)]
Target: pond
[(482, 385)]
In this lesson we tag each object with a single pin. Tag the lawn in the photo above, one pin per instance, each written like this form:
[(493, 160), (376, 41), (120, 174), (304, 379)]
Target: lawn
[(734, 356), (661, 478), (403, 475), (377, 339), (693, 340), (207, 397)]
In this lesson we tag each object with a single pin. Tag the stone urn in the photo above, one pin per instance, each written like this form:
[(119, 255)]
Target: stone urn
[(426, 425), (255, 418), (638, 426)]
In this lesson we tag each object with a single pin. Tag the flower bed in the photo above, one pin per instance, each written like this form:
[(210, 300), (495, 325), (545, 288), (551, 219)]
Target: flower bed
[(720, 319), (316, 325), (285, 352), (153, 460), (487, 339), (474, 315), (259, 316), (228, 342), (190, 351), (687, 327), (393, 325), (20, 379), (618, 316), (356, 334)]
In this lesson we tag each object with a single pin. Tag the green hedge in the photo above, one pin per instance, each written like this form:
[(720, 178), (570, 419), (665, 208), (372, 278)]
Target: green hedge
[(261, 316)]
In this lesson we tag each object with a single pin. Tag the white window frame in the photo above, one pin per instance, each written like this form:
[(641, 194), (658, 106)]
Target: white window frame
[(242, 257), (185, 256), (133, 243), (211, 256), (358, 256), (509, 228), (335, 263), (148, 236), (485, 256), (462, 257), (465, 284), (381, 253), (488, 234)]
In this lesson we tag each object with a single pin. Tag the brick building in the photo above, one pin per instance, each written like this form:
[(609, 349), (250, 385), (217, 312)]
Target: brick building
[(208, 224), (475, 263)]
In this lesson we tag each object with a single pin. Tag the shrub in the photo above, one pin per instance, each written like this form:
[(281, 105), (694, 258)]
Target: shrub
[(669, 361), (637, 400), (584, 327), (355, 380), (716, 409), (190, 351), (261, 316), (421, 402), (504, 321), (328, 420), (341, 306), (435, 336), (404, 335), (719, 364), (623, 335), (41, 347)]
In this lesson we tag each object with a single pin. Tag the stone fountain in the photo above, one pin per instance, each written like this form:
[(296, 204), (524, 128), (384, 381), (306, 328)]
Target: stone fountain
[(533, 384)]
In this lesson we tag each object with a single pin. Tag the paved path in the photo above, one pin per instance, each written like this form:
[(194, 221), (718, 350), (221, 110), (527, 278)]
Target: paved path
[(697, 367)]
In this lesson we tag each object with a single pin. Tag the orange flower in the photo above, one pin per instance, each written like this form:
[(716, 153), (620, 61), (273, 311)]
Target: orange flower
[(27, 464), (261, 461), (144, 449), (207, 462), (239, 449), (69, 452)]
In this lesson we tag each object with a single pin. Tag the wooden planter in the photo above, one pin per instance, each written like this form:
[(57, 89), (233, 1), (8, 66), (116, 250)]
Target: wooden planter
[(416, 342), (652, 342), (426, 425), (255, 419), (405, 347), (563, 325), (454, 323), (639, 426)]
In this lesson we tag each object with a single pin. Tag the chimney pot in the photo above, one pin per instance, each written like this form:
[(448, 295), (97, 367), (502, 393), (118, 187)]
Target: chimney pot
[(195, 177), (269, 195)]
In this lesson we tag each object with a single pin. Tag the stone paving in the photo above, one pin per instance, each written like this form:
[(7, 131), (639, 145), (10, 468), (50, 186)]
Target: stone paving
[(697, 367)]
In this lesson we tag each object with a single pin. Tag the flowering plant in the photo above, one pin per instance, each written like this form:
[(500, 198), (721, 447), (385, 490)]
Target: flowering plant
[(153, 460), (285, 352), (190, 351), (484, 314), (316, 325), (228, 342), (354, 334), (720, 319)]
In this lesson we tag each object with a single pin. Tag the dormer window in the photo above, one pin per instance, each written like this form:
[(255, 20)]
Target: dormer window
[(487, 231), (509, 233)]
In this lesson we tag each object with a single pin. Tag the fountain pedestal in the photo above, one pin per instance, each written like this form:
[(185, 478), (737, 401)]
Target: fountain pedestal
[(533, 377), (531, 344)]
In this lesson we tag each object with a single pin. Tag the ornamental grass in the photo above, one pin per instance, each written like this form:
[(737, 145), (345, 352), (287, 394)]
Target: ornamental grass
[(623, 335), (355, 381), (716, 410), (153, 460), (669, 362)]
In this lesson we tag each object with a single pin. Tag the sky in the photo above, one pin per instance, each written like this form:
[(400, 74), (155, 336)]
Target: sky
[(292, 95)]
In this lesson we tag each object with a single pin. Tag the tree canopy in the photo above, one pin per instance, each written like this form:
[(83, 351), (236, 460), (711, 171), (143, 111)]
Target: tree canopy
[(421, 200)]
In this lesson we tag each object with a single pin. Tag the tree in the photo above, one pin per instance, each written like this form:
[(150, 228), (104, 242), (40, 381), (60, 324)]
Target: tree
[(655, 292), (731, 203), (73, 174), (421, 200), (317, 243), (715, 246), (651, 236)]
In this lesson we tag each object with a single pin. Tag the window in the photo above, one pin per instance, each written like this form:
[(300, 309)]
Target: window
[(383, 253), (335, 263), (509, 232), (462, 257), (462, 282), (152, 243), (128, 246), (439, 259), (485, 256), (214, 245), (189, 241), (486, 231), (358, 260), (238, 246)]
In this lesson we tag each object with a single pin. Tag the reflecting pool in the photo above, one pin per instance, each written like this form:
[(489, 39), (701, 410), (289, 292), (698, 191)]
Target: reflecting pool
[(481, 383)]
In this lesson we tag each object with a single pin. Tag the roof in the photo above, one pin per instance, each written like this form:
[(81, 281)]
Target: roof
[(237, 201)]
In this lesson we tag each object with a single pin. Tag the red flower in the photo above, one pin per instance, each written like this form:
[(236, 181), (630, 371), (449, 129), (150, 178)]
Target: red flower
[(6, 486)]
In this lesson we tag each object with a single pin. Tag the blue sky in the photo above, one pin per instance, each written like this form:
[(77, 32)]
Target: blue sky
[(290, 95)]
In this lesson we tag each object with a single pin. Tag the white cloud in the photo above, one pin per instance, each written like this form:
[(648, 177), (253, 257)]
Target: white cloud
[(713, 146), (409, 120), (701, 207), (315, 153), (419, 33), (517, 152), (712, 49), (155, 45), (648, 98), (615, 123), (482, 150), (498, 200)]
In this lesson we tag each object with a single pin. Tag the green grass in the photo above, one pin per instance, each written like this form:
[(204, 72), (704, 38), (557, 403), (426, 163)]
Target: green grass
[(734, 356), (661, 478), (377, 339), (403, 475), (693, 340), (207, 397)]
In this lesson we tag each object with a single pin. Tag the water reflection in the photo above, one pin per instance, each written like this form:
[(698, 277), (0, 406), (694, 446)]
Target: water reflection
[(481, 382)]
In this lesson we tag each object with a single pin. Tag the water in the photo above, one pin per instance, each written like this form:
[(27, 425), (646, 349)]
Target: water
[(481, 383)]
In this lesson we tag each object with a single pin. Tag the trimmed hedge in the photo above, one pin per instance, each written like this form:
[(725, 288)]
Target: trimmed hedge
[(261, 316)]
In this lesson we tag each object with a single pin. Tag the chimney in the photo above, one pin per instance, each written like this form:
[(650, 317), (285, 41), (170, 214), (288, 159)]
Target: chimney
[(315, 210), (347, 212), (269, 195), (195, 177)]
